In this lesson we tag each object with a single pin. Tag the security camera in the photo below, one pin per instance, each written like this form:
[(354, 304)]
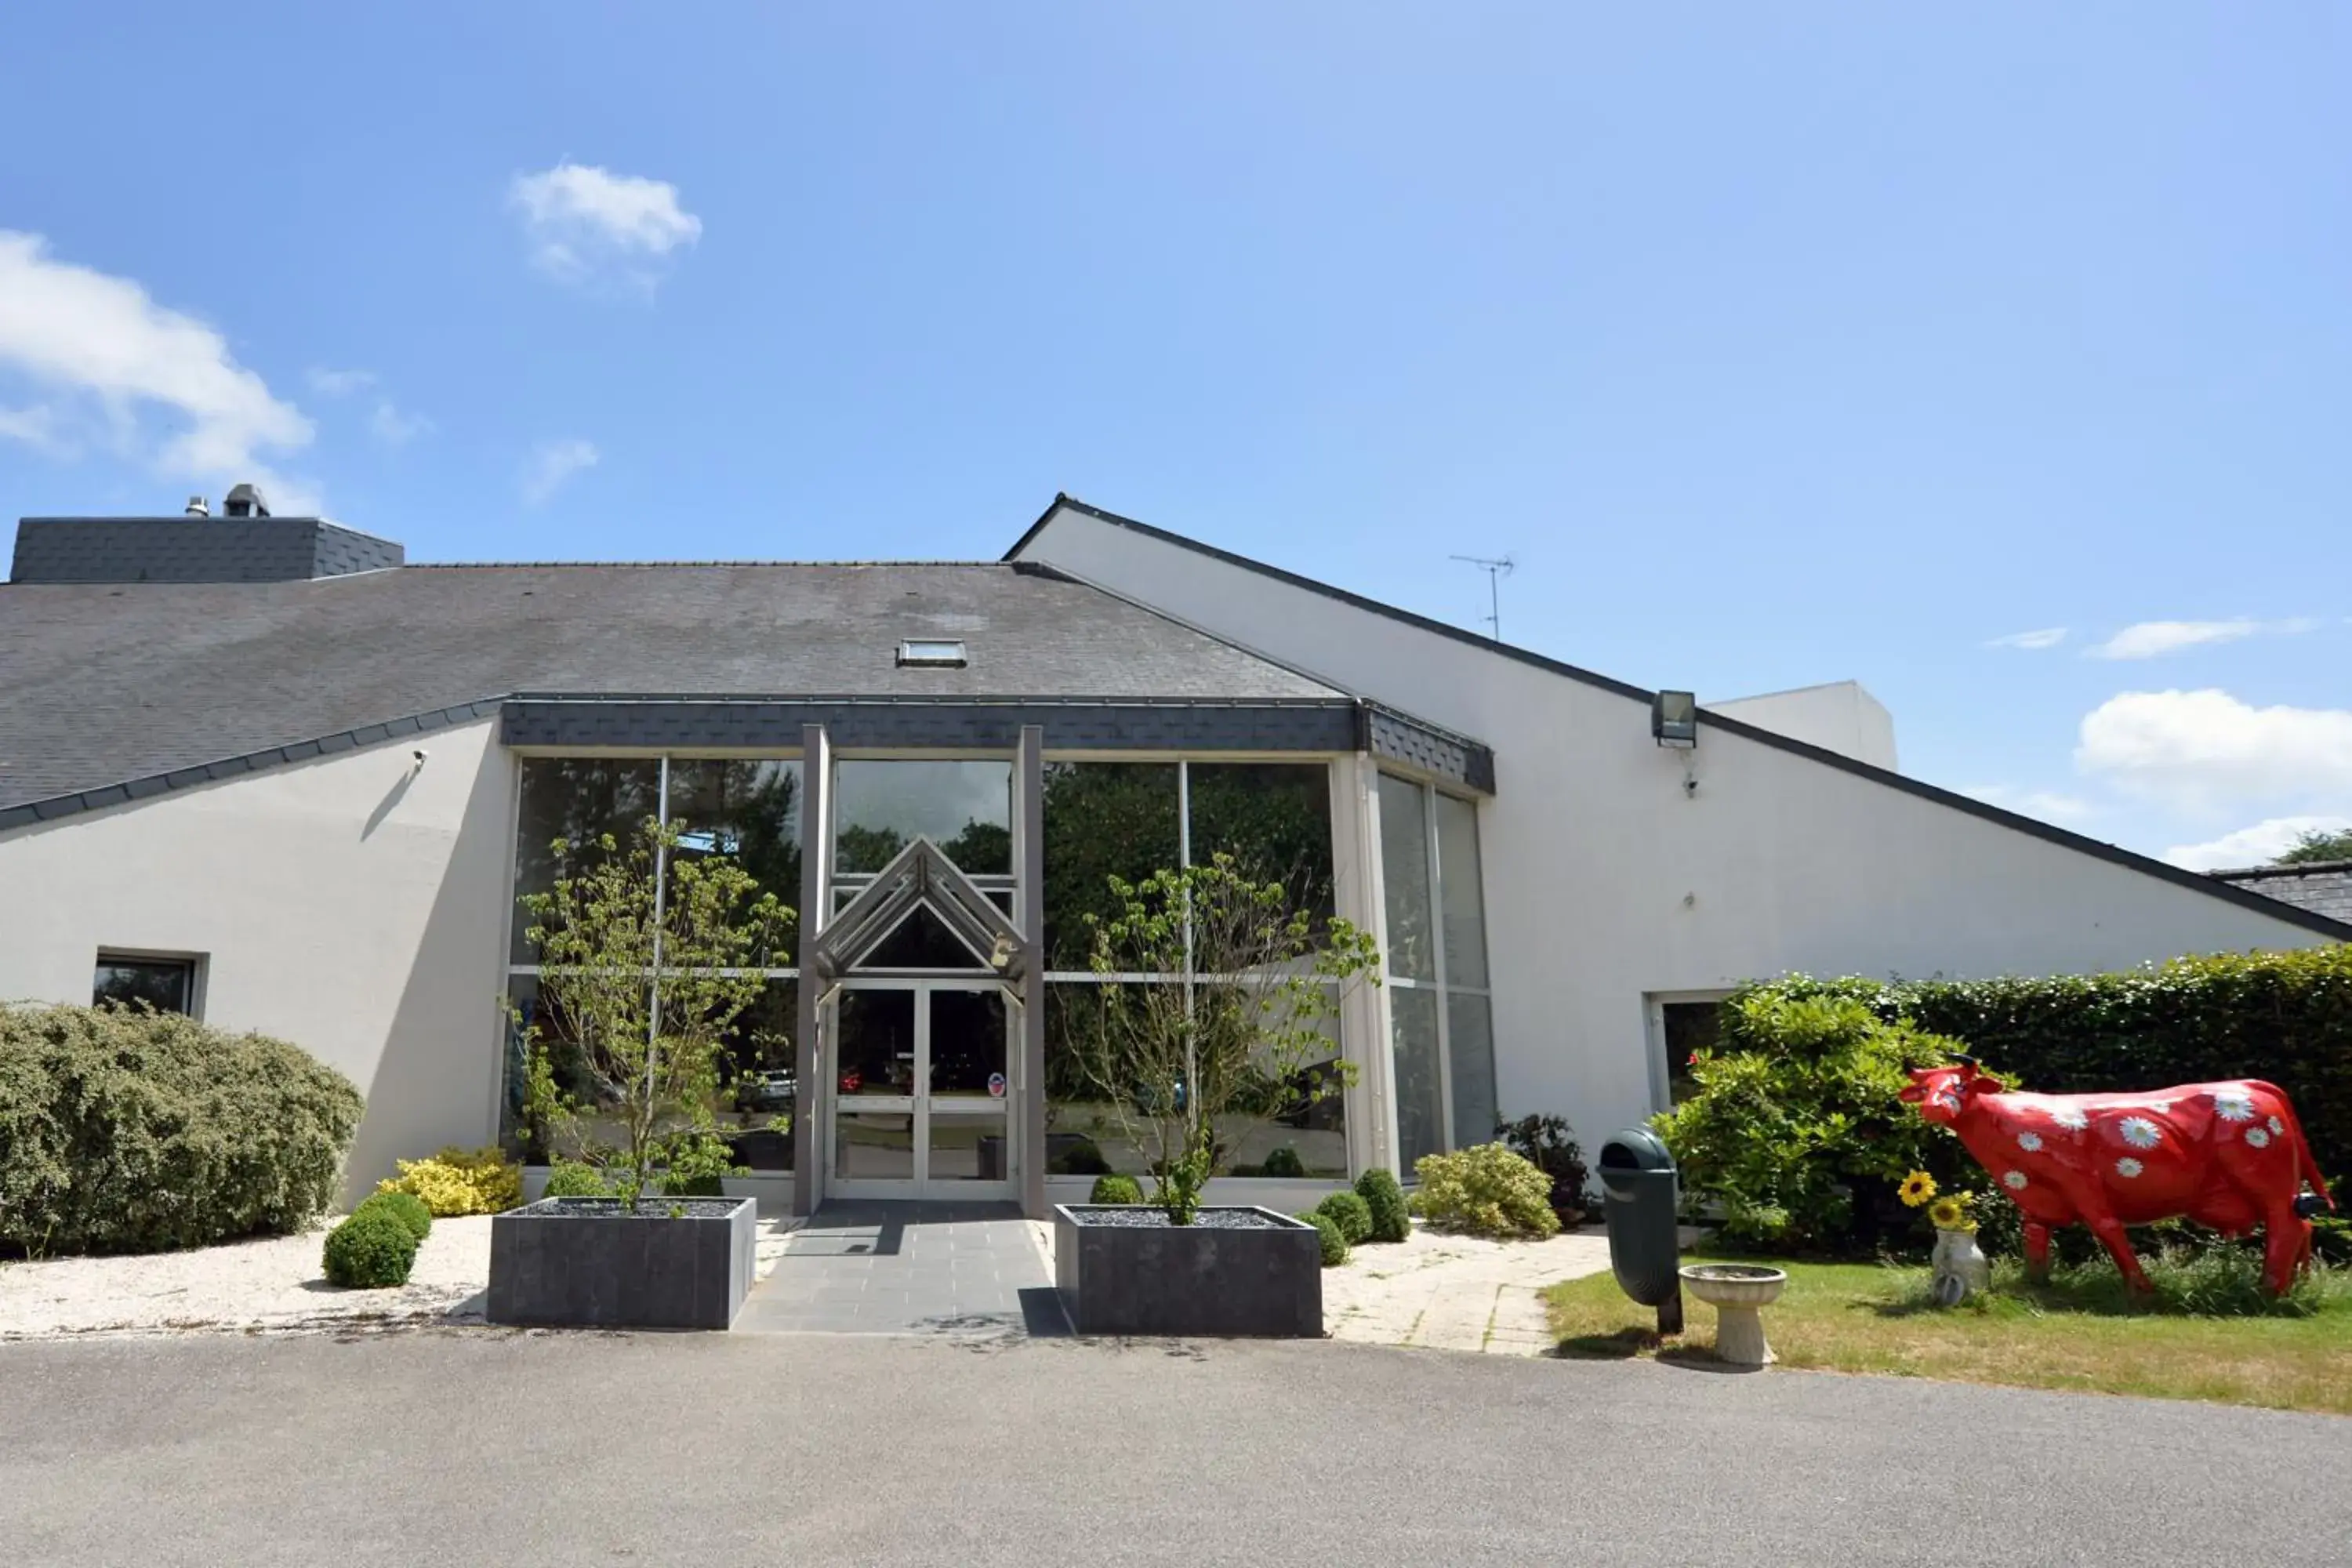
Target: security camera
[(419, 755)]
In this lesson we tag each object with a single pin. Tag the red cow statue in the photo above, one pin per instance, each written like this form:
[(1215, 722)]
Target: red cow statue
[(2229, 1156)]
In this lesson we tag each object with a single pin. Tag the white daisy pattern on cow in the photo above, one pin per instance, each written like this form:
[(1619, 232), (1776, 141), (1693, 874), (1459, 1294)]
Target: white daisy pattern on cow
[(2029, 1141), (2013, 1180), (2256, 1138), (2068, 1116), (2140, 1132), (2234, 1105), (2278, 1126), (2127, 1167)]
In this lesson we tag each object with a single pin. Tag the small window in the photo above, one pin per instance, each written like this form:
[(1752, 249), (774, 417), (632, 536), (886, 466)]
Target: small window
[(166, 985), (1689, 1026), (932, 653)]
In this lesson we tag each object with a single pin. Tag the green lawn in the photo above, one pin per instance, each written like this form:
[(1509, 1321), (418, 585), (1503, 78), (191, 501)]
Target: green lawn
[(2082, 1333)]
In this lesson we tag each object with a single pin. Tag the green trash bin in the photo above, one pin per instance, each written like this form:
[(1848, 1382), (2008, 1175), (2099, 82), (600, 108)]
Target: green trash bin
[(1637, 1187)]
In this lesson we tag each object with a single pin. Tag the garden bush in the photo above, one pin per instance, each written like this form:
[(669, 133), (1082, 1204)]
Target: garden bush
[(407, 1207), (1547, 1142), (1350, 1213), (1115, 1189), (2284, 1017), (1334, 1239), (1385, 1199), (136, 1132), (1485, 1191), (575, 1179), (1283, 1162), (459, 1182), (1802, 1136), (370, 1250), (1084, 1157)]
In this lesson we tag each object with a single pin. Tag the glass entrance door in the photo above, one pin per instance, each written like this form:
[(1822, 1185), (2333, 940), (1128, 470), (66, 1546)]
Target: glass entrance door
[(921, 1073)]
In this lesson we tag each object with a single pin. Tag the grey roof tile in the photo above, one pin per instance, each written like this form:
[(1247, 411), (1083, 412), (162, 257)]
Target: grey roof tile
[(104, 683)]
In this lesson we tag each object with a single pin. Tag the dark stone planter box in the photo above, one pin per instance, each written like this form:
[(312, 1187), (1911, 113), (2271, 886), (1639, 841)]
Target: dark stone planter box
[(1264, 1281), (587, 1263)]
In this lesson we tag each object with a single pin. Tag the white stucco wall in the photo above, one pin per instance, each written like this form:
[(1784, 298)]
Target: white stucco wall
[(1606, 880), (1840, 717), (352, 905)]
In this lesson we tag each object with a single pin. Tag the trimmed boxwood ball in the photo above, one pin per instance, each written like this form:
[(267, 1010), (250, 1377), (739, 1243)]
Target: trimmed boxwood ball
[(1335, 1241), (1115, 1189), (1350, 1213), (369, 1251), (136, 1132), (1385, 1199), (1283, 1162), (407, 1207)]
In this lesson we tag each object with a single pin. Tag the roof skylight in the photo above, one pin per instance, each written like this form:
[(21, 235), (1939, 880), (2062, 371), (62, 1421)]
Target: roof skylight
[(933, 653)]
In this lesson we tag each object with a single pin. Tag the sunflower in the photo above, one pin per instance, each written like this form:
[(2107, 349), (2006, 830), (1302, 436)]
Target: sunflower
[(1918, 1188), (1949, 1213)]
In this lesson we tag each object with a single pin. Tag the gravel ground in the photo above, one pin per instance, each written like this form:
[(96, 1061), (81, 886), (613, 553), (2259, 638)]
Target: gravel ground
[(481, 1447), (272, 1285)]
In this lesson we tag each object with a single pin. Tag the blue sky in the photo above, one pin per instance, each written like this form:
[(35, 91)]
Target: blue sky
[(1777, 344)]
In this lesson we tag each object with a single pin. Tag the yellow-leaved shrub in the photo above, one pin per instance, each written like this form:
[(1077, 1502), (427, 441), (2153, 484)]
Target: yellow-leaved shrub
[(459, 1182)]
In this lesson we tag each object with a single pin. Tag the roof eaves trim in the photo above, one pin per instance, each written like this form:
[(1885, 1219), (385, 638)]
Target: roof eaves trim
[(52, 808)]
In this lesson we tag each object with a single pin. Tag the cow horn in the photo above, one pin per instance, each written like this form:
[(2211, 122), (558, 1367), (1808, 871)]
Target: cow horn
[(1966, 1060)]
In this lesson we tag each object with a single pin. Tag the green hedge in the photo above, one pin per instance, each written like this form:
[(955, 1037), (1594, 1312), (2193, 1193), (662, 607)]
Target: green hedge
[(138, 1132), (2285, 1017)]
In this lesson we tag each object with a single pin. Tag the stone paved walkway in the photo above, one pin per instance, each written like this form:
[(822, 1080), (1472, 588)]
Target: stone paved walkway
[(907, 1269), (1456, 1292)]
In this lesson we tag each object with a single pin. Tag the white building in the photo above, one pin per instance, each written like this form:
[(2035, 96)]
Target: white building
[(261, 769)]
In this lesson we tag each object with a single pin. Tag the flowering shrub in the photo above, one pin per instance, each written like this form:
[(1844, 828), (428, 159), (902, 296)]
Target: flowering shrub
[(1485, 1191), (459, 1182)]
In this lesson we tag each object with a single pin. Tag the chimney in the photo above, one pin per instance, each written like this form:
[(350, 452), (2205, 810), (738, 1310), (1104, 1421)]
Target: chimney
[(199, 507), (243, 501)]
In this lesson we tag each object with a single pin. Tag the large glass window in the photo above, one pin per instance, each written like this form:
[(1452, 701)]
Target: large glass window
[(1439, 1007), (1129, 820), (1102, 820), (747, 809), (164, 984), (963, 806), (578, 800)]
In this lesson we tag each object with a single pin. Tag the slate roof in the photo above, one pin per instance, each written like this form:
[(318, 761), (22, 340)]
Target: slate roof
[(2323, 886), (100, 684)]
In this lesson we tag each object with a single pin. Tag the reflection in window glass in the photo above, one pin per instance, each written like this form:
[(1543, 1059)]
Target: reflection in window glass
[(964, 807), (921, 942), (1102, 820), (1420, 1095), (1404, 870), (762, 1080), (1458, 888), (1689, 1026), (165, 984), (1273, 819), (1084, 1135), (1470, 1060), (748, 810), (874, 1043), (577, 799)]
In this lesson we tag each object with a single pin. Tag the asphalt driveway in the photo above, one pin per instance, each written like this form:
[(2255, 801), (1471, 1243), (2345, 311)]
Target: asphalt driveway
[(457, 1446)]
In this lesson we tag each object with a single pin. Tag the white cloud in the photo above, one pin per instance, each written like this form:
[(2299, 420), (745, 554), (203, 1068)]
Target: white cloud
[(37, 427), (2206, 748), (2049, 806), (553, 462), (2048, 637), (2150, 639), (2255, 846), (588, 224), (395, 428), (111, 355), (338, 382)]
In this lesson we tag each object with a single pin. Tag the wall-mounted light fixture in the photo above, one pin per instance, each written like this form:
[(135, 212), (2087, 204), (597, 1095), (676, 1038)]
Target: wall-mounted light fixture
[(1674, 719)]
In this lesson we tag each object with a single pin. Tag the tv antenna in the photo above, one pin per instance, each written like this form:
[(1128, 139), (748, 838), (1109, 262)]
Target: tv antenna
[(1496, 568)]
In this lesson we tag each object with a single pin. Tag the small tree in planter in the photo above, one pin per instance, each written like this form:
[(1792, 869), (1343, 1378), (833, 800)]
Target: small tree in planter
[(1230, 1022), (647, 957)]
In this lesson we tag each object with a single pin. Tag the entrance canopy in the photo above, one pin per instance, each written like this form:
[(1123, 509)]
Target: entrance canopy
[(919, 878)]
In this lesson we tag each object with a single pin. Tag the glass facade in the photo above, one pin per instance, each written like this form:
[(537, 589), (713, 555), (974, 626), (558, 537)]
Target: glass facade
[(963, 806), (1440, 1012)]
